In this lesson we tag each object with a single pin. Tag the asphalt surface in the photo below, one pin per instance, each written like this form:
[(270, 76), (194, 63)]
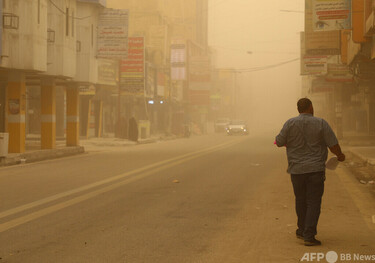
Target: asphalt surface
[(211, 198)]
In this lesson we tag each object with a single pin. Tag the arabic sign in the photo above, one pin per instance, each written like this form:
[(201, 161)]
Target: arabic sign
[(113, 33), (107, 72), (132, 80), (331, 15), (312, 65), (339, 73), (320, 42), (87, 90)]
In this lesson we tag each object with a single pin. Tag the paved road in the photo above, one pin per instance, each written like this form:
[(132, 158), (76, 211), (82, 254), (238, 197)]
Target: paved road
[(204, 199)]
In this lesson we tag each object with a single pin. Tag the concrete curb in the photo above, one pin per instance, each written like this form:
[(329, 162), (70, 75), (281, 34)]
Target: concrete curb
[(363, 158), (41, 155)]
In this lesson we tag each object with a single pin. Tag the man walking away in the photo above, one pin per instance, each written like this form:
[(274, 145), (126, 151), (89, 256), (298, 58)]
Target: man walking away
[(306, 139)]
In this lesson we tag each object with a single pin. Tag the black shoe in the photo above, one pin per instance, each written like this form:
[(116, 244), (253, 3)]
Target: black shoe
[(312, 242), (299, 234)]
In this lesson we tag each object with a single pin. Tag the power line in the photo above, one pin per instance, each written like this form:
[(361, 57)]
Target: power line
[(253, 51), (261, 68), (64, 13), (292, 11)]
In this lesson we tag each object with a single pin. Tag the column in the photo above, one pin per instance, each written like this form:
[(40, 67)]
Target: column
[(72, 116), (60, 112), (16, 107), (48, 111)]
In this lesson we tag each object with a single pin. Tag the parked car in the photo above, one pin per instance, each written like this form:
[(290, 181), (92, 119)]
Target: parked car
[(221, 124), (237, 127)]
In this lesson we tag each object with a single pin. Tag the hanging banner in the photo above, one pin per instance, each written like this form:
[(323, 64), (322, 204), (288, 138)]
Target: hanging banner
[(331, 15), (132, 80), (113, 33)]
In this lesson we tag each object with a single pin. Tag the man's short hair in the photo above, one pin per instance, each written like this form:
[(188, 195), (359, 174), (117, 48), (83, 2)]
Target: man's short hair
[(303, 105)]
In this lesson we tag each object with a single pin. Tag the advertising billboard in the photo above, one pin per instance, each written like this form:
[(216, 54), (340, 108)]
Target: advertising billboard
[(113, 33), (319, 42), (331, 15), (132, 79)]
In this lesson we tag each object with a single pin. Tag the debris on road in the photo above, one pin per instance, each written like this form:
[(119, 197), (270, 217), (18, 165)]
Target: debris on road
[(363, 182), (176, 181)]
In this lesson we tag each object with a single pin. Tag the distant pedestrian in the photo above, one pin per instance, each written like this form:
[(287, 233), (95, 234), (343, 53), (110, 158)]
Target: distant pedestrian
[(306, 139), (133, 129)]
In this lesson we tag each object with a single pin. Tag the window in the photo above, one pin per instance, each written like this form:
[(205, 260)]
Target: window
[(10, 21), (67, 21)]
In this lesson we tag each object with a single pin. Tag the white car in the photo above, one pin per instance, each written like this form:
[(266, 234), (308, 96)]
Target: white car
[(237, 127)]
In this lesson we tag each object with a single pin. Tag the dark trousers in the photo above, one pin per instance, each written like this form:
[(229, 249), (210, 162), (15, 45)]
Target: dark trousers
[(308, 189)]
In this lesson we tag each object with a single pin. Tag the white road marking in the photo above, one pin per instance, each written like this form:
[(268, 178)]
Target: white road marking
[(142, 172)]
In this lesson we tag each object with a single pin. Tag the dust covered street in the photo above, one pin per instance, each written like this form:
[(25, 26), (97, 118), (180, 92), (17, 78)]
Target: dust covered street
[(205, 199)]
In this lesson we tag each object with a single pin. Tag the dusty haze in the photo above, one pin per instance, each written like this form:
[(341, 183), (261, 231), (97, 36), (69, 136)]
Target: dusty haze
[(238, 26)]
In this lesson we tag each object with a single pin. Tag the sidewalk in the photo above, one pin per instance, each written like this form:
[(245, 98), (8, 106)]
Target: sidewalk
[(95, 144), (35, 154), (361, 163), (366, 154)]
